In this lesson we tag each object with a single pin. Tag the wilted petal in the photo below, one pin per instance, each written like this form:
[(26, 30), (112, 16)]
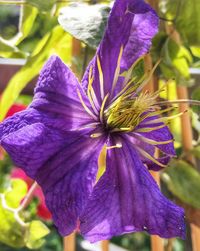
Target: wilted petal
[(131, 26), (63, 164), (127, 199)]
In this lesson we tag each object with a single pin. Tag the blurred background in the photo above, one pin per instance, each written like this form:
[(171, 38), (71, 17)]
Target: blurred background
[(31, 31)]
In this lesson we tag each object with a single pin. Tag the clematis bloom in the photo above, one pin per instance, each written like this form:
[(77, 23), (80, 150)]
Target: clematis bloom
[(58, 138)]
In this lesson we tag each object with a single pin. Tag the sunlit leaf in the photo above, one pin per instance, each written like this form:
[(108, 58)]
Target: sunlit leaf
[(27, 18), (14, 231), (7, 50), (50, 44), (37, 231), (187, 18), (183, 181), (195, 51), (11, 232), (85, 22), (17, 191), (176, 60)]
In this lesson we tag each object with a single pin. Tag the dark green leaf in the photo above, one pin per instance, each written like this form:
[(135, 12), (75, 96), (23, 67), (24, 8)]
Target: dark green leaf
[(187, 18), (85, 22), (183, 181)]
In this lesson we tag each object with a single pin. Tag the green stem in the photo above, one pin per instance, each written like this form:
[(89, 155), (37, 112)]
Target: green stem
[(28, 197)]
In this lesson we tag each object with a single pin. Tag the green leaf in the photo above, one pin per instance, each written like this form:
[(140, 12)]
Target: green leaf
[(196, 96), (42, 5), (195, 51), (176, 61), (8, 50), (196, 121), (35, 236), (187, 18), (183, 181), (27, 18), (196, 152), (85, 22), (16, 194), (11, 232), (55, 42)]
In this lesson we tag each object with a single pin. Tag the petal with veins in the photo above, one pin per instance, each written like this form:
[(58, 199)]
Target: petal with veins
[(63, 164), (131, 26), (127, 199)]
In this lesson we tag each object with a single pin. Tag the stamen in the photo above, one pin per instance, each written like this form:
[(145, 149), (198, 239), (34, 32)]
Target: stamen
[(90, 92), (118, 145), (129, 72), (102, 107), (164, 119), (148, 156), (100, 78), (117, 70), (155, 113), (145, 82), (84, 105), (152, 142), (149, 129)]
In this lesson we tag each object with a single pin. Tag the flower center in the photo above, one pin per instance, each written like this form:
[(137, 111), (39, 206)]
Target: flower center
[(128, 110)]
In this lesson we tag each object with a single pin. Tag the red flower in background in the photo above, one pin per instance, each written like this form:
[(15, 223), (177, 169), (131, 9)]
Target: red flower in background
[(42, 210), (15, 108)]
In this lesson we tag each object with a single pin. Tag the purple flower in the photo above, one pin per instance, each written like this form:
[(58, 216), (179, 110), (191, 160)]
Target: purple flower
[(58, 138)]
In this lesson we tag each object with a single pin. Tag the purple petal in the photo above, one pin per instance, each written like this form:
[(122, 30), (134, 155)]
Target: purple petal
[(131, 25), (162, 134), (56, 95), (71, 176), (127, 199), (63, 164), (153, 166)]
